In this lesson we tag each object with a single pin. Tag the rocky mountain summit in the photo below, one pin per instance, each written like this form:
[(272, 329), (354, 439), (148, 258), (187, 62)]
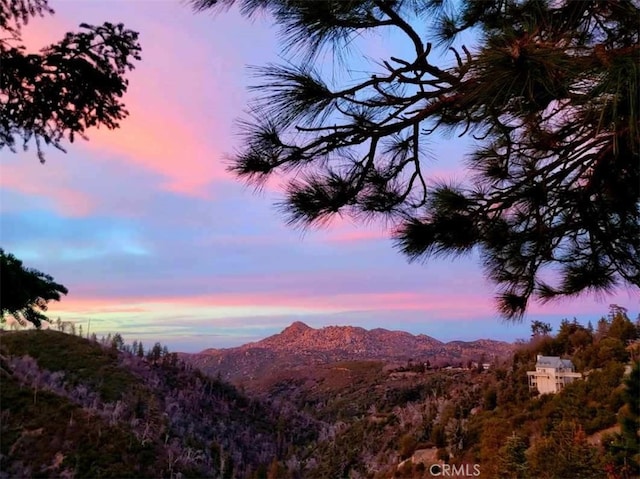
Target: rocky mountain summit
[(376, 343), (300, 345)]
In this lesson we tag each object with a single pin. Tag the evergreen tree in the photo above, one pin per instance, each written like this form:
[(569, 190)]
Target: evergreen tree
[(512, 461), (564, 453), (625, 447), (26, 292), (621, 326), (539, 328), (155, 353), (602, 328), (550, 94), (117, 342)]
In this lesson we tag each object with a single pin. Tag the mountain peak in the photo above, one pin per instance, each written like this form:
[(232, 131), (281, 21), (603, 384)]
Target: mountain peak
[(299, 345), (296, 327)]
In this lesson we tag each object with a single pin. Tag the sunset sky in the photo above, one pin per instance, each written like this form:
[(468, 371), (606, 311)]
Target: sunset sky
[(156, 241)]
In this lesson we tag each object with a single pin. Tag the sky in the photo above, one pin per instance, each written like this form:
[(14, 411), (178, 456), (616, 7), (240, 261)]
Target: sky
[(156, 241)]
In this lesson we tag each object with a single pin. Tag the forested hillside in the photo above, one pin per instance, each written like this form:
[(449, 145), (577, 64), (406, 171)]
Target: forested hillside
[(75, 407), (72, 407), (383, 422)]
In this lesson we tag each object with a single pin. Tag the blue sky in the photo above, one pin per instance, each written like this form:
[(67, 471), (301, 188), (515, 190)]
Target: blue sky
[(155, 240)]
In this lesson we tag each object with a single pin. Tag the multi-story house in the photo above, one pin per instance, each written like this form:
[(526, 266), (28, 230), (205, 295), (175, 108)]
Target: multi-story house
[(552, 374)]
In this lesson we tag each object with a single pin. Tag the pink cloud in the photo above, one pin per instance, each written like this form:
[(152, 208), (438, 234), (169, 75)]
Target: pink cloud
[(160, 134), (179, 126), (23, 178), (342, 229), (426, 302), (397, 308), (356, 236), (150, 139)]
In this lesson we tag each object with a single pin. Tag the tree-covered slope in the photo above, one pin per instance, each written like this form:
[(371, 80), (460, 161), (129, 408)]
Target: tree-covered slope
[(72, 407), (75, 408)]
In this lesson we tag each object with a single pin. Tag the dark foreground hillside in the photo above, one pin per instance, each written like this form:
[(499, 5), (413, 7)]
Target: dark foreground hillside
[(75, 408)]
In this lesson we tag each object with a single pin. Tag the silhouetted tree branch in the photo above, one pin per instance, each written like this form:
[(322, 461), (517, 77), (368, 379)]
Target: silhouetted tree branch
[(25, 292), (553, 199), (66, 88)]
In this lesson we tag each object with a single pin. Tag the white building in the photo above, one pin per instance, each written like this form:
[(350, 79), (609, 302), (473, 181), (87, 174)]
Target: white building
[(552, 374)]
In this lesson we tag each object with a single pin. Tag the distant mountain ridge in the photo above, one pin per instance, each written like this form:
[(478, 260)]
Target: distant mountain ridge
[(299, 337), (300, 345)]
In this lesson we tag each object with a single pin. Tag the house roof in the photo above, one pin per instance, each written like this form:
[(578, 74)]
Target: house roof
[(553, 362)]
